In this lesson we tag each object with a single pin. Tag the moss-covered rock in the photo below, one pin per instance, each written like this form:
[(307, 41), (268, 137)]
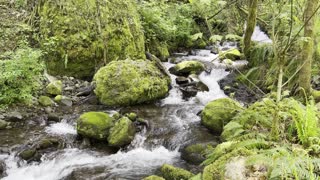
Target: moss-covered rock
[(232, 54), (219, 112), (196, 177), (79, 35), (28, 154), (132, 116), (196, 153), (153, 177), (45, 101), (170, 172), (3, 124), (54, 88), (63, 100), (187, 67), (94, 125), (129, 82), (122, 133)]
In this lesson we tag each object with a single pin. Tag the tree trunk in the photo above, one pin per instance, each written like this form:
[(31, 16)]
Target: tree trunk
[(251, 24), (308, 46)]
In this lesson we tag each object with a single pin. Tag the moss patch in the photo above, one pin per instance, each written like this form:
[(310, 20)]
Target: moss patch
[(129, 82), (219, 112), (170, 172), (94, 125), (54, 88), (77, 38), (153, 177), (45, 101), (187, 67), (122, 133)]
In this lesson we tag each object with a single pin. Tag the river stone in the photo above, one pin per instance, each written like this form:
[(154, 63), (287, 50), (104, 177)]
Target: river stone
[(45, 101), (187, 67), (28, 154), (170, 172), (94, 125), (128, 82), (63, 100), (48, 143), (218, 113), (2, 168), (195, 153), (232, 54), (122, 133), (14, 116), (3, 124), (54, 88), (182, 80), (153, 177)]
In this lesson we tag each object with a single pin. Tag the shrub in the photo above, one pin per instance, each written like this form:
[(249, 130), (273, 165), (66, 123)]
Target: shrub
[(20, 76)]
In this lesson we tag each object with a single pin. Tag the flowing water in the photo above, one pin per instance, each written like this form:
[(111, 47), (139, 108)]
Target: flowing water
[(173, 123)]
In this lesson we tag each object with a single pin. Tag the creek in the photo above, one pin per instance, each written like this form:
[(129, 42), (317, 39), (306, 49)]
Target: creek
[(173, 124)]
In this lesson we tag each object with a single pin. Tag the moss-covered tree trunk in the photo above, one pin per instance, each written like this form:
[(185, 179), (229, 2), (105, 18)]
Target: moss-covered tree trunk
[(251, 24), (308, 46)]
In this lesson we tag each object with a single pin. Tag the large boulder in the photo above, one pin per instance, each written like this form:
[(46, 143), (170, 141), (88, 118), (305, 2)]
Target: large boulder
[(170, 172), (219, 112), (78, 36), (122, 133), (128, 82), (187, 67), (94, 125)]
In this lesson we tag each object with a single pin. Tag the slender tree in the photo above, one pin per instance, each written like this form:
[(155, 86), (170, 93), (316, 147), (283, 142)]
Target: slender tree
[(251, 24), (308, 45)]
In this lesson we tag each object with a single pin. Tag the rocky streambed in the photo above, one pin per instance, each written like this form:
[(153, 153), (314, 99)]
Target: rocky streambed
[(42, 142)]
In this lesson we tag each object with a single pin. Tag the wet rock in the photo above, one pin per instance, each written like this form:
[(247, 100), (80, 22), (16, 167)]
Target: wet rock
[(228, 62), (218, 113), (29, 154), (14, 116), (153, 177), (45, 101), (187, 67), (2, 169), (48, 143), (182, 80), (3, 124), (189, 91), (196, 153), (128, 82), (170, 172), (53, 117), (48, 110), (54, 88), (202, 87), (86, 91), (122, 133), (94, 125)]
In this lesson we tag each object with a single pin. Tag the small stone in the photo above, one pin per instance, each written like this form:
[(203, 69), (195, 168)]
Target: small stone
[(48, 110), (182, 80), (53, 117), (54, 88), (27, 154), (132, 116), (14, 116), (63, 100), (3, 124), (45, 101)]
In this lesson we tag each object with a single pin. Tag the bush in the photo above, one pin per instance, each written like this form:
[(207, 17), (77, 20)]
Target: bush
[(20, 76)]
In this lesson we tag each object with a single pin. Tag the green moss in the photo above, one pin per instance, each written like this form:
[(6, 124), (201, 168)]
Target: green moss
[(187, 67), (232, 54), (45, 101), (77, 42), (27, 154), (160, 50), (153, 177), (170, 172), (94, 125), (58, 98), (132, 116), (195, 153), (196, 177), (219, 112), (128, 82), (48, 143), (122, 133), (54, 88)]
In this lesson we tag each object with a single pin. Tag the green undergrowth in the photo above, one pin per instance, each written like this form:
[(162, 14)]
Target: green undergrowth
[(280, 138), (21, 74)]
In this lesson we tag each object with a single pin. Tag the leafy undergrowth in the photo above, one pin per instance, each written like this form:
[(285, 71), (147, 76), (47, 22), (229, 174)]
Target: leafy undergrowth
[(275, 141)]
